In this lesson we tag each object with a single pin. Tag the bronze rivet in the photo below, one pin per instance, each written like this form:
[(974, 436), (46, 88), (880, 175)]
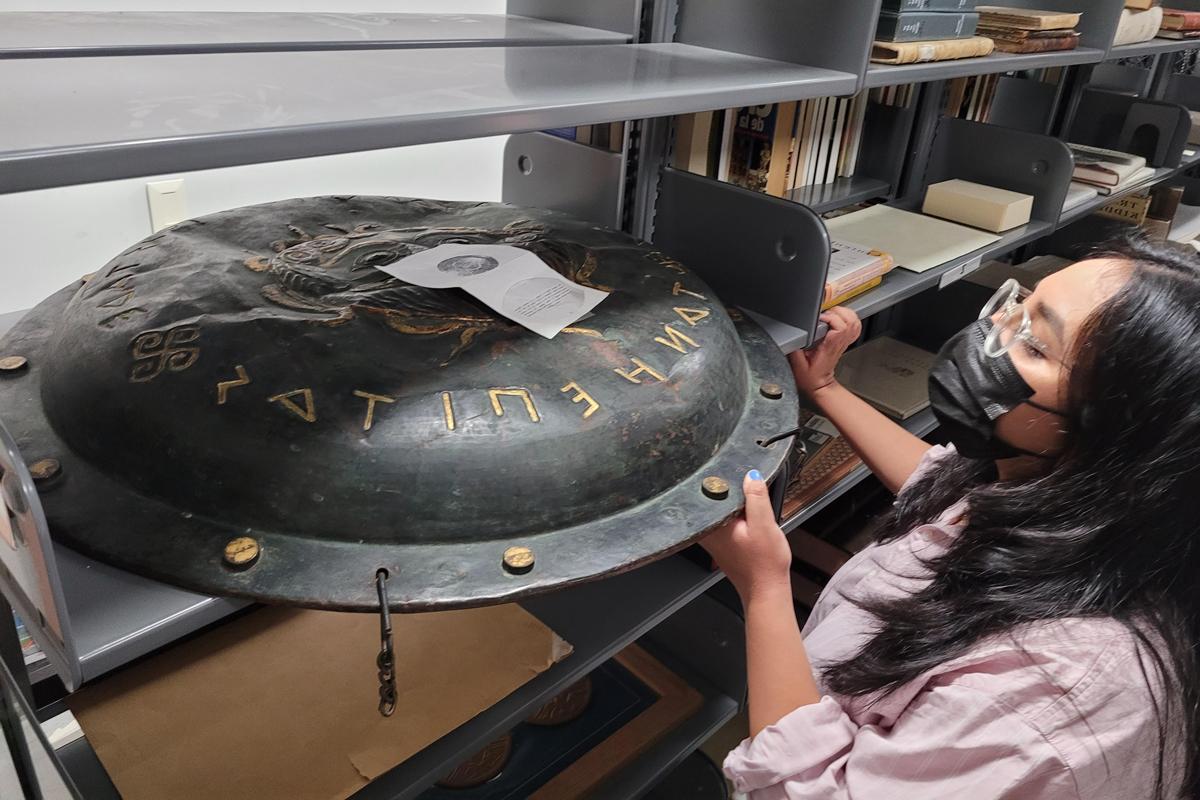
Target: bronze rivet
[(518, 560), (45, 469), (241, 552), (13, 363), (716, 488), (771, 391)]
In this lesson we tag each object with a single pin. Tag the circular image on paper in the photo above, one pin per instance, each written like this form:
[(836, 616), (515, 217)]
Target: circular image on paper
[(468, 265), (534, 297)]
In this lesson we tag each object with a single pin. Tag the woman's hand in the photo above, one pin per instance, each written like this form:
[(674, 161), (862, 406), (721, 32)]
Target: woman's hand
[(752, 549), (813, 369)]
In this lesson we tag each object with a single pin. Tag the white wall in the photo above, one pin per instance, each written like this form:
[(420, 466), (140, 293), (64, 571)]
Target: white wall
[(54, 236)]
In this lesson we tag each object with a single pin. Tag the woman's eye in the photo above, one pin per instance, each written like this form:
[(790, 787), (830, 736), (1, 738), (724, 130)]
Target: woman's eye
[(1032, 351)]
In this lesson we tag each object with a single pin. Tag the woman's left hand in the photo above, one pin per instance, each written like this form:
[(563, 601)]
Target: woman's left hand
[(752, 549)]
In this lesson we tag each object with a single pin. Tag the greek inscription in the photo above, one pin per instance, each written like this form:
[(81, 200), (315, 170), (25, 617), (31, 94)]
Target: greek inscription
[(692, 315), (123, 316), (155, 351), (308, 413), (117, 301), (223, 387), (372, 399), (514, 391), (581, 397), (678, 289), (675, 339), (448, 410), (642, 367)]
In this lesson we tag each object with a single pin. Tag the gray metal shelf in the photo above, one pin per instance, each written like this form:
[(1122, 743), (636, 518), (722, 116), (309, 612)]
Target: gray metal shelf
[(152, 114), (1152, 47), (900, 284), (842, 192), (1161, 174), (892, 74), (919, 424), (73, 34)]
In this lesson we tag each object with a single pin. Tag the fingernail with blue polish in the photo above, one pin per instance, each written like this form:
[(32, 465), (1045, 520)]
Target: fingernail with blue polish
[(754, 475)]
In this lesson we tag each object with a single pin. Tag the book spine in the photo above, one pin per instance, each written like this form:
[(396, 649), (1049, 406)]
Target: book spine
[(1181, 20), (898, 6), (837, 300), (801, 148), (835, 141), (782, 132), (1039, 45), (923, 26), (726, 143)]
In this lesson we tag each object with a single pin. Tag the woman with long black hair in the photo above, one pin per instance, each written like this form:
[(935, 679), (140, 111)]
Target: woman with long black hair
[(1026, 625)]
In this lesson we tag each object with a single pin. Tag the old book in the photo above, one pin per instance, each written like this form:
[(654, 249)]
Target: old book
[(897, 6), (923, 26), (1137, 26), (826, 458), (917, 52), (693, 139), (978, 205), (1026, 18), (888, 374), (1040, 44), (849, 295), (1174, 19), (1142, 5), (1140, 176), (760, 146), (915, 242), (1131, 208), (1019, 34), (1102, 167), (851, 265), (1180, 34)]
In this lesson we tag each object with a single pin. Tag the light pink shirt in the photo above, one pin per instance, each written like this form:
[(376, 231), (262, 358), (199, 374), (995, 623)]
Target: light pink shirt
[(1055, 710)]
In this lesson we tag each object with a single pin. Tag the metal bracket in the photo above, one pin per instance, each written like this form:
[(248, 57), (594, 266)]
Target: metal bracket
[(546, 171)]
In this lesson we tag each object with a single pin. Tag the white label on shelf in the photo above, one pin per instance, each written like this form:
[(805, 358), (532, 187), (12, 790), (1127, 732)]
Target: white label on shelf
[(950, 276), (971, 266)]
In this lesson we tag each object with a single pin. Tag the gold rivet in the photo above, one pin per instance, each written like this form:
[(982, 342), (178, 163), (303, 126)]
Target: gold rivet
[(716, 488), (241, 552), (45, 469), (771, 391), (13, 363), (518, 560)]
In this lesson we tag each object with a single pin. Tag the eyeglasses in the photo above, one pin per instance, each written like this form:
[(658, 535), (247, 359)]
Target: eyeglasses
[(1013, 324)]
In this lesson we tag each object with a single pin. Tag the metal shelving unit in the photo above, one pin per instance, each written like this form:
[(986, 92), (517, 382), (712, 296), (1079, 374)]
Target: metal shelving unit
[(893, 74), (1152, 48)]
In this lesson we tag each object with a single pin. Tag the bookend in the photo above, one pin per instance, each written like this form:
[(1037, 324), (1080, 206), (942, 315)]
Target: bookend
[(1023, 104), (1124, 78), (1183, 89), (784, 30), (1153, 129), (768, 255), (546, 171), (1005, 158)]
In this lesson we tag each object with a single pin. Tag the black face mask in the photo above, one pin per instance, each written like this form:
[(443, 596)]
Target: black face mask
[(969, 389)]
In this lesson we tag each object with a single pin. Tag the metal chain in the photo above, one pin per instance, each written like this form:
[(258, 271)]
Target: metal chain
[(386, 660)]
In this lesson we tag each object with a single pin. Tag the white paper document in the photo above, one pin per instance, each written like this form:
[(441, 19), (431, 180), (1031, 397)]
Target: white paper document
[(511, 281)]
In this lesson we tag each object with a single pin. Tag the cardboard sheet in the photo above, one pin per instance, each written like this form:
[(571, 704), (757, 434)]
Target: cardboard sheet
[(282, 703), (916, 242)]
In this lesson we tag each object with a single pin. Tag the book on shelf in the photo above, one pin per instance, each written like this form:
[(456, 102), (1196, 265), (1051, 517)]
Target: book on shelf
[(923, 26), (1077, 195), (1180, 34), (760, 147), (1142, 5), (889, 374), (1026, 18), (897, 6), (971, 97), (850, 294), (851, 266), (825, 458), (1176, 19), (1042, 42), (1101, 167), (1137, 26), (697, 137), (919, 52), (916, 242)]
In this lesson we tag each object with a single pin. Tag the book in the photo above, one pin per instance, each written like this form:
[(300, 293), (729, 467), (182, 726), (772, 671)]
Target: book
[(898, 6), (840, 110), (1040, 44), (859, 114), (1179, 34), (1131, 208), (919, 52), (1077, 195), (849, 295), (850, 266), (1141, 5), (915, 242), (1137, 177), (978, 205), (726, 140), (1026, 18), (1174, 19), (693, 142), (823, 457), (760, 146), (803, 141), (889, 374), (1020, 34), (1137, 26), (1102, 167), (923, 26)]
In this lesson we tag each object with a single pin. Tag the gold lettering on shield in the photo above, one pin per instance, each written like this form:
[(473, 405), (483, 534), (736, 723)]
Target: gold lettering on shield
[(308, 413), (372, 399), (642, 366), (581, 397), (223, 387), (692, 315), (513, 391), (678, 289), (448, 410), (675, 339)]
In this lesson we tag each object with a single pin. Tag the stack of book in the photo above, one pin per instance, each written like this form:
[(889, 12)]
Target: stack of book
[(1023, 30), (1140, 21), (853, 269), (1177, 24), (927, 30), (1107, 170), (971, 98)]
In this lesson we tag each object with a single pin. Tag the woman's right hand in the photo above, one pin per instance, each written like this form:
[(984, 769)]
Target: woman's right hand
[(813, 368)]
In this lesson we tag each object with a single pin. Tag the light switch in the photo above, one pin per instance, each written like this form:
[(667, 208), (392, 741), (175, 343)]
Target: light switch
[(168, 204)]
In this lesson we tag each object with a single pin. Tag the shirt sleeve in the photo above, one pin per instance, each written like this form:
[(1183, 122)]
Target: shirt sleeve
[(927, 462), (951, 741)]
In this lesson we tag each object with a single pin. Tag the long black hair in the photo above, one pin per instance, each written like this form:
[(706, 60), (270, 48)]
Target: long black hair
[(1112, 530)]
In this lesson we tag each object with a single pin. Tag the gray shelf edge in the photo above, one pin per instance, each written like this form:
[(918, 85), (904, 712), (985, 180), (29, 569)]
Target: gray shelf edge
[(1152, 47), (900, 284), (893, 74), (411, 777), (919, 424)]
